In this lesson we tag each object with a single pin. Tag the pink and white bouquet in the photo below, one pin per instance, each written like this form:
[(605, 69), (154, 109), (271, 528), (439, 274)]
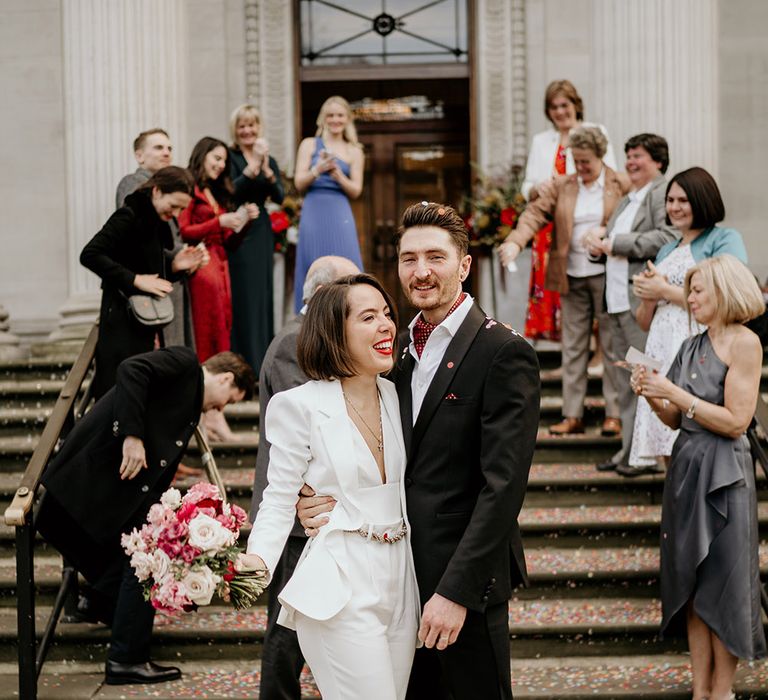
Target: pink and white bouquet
[(186, 552)]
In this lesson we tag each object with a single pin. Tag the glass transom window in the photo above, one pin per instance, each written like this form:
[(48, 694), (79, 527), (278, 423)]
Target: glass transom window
[(378, 32)]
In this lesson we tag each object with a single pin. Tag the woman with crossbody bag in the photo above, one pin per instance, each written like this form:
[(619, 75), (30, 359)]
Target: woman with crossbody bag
[(131, 255)]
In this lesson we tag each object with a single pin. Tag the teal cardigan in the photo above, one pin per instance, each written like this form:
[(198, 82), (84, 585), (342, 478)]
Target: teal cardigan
[(709, 244)]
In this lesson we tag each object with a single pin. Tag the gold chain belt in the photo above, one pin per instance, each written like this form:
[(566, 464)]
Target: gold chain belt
[(386, 537)]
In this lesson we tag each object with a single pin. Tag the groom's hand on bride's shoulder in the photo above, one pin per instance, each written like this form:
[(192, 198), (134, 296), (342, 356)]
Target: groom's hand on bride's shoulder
[(311, 509)]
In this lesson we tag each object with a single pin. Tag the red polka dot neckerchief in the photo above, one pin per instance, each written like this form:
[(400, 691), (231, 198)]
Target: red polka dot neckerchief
[(422, 329)]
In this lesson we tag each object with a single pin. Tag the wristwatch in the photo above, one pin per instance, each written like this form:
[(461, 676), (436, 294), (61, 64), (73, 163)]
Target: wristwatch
[(691, 412)]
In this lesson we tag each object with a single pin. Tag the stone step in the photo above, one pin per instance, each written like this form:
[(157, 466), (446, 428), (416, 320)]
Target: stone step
[(15, 450), (546, 565), (548, 627), (36, 368), (640, 677)]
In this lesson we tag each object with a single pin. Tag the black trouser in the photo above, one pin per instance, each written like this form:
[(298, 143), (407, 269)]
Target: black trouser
[(475, 666), (281, 659), (133, 617)]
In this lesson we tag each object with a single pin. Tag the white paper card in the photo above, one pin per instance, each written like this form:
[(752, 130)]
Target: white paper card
[(635, 357), (511, 266)]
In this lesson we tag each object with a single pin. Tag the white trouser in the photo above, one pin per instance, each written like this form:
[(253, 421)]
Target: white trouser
[(366, 650)]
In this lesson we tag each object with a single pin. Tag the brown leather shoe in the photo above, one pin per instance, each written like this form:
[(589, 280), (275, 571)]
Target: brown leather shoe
[(567, 426), (611, 427)]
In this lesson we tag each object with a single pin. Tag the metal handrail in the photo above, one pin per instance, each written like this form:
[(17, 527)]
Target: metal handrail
[(20, 515), (18, 511)]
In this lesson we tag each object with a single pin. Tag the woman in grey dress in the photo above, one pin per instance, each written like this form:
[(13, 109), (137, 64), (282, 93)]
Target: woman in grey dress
[(709, 541)]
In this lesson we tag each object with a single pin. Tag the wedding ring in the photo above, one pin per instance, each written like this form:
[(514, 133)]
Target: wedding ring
[(307, 531)]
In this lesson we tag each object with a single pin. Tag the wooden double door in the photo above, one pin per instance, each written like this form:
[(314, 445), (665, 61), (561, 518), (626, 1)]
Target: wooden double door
[(406, 163)]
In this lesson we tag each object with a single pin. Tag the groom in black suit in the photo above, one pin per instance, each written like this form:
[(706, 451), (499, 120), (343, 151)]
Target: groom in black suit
[(469, 401)]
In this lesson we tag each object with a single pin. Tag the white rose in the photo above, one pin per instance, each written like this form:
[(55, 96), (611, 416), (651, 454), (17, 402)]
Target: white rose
[(171, 499), (142, 565), (200, 585), (292, 235), (209, 534), (133, 543), (161, 565)]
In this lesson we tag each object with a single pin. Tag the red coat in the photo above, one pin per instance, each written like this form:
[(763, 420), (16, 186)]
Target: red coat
[(209, 288)]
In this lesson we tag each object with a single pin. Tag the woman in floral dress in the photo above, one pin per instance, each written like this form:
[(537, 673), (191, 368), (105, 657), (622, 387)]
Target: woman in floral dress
[(694, 206)]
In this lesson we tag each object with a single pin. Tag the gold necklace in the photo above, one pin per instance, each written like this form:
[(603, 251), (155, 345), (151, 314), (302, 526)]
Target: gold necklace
[(380, 437)]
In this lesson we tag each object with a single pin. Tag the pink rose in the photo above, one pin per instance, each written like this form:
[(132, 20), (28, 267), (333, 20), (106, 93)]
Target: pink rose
[(240, 515), (201, 491), (189, 553), (186, 512)]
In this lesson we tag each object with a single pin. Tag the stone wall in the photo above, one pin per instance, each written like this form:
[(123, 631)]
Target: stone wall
[(743, 110), (33, 264)]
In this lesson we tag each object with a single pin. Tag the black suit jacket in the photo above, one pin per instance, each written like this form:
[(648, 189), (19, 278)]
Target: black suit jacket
[(280, 371), (469, 455), (157, 397)]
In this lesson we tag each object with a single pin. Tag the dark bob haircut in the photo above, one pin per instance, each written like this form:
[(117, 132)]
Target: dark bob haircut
[(171, 179), (703, 194), (438, 215), (655, 145), (322, 344)]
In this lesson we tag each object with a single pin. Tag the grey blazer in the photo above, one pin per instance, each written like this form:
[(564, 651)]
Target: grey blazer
[(279, 372), (649, 232)]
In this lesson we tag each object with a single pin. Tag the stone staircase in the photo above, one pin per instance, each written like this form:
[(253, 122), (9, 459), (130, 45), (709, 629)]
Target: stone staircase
[(587, 627)]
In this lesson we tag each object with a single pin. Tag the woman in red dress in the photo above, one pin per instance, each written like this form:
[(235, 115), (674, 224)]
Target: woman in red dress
[(207, 220)]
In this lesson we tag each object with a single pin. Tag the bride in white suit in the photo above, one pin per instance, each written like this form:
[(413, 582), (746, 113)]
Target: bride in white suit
[(353, 599)]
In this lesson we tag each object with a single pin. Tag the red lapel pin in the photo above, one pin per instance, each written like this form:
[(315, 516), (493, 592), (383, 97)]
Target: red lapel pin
[(450, 365)]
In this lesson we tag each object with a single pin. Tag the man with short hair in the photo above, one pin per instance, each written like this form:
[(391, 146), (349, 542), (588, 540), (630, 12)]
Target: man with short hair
[(281, 658), (469, 401), (153, 151), (114, 465), (632, 236)]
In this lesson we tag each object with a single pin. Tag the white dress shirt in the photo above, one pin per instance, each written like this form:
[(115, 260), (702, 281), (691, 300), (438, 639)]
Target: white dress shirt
[(617, 266), (437, 344), (587, 214)]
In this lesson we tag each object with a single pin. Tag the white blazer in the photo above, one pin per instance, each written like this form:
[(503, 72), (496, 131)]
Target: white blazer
[(541, 158), (312, 443)]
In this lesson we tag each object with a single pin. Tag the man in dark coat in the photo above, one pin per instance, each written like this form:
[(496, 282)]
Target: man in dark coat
[(281, 658), (117, 461), (469, 400)]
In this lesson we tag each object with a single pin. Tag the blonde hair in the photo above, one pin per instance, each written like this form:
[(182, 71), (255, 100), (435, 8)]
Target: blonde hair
[(737, 295), (244, 111), (590, 137), (350, 132)]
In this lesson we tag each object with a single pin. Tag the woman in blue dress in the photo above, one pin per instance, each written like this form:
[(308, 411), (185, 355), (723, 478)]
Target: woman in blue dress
[(329, 170)]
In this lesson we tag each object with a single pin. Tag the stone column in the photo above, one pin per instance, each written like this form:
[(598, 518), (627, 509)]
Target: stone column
[(269, 74), (500, 82), (123, 72), (501, 89), (655, 68)]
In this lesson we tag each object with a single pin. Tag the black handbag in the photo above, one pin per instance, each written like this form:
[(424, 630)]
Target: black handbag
[(150, 310)]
